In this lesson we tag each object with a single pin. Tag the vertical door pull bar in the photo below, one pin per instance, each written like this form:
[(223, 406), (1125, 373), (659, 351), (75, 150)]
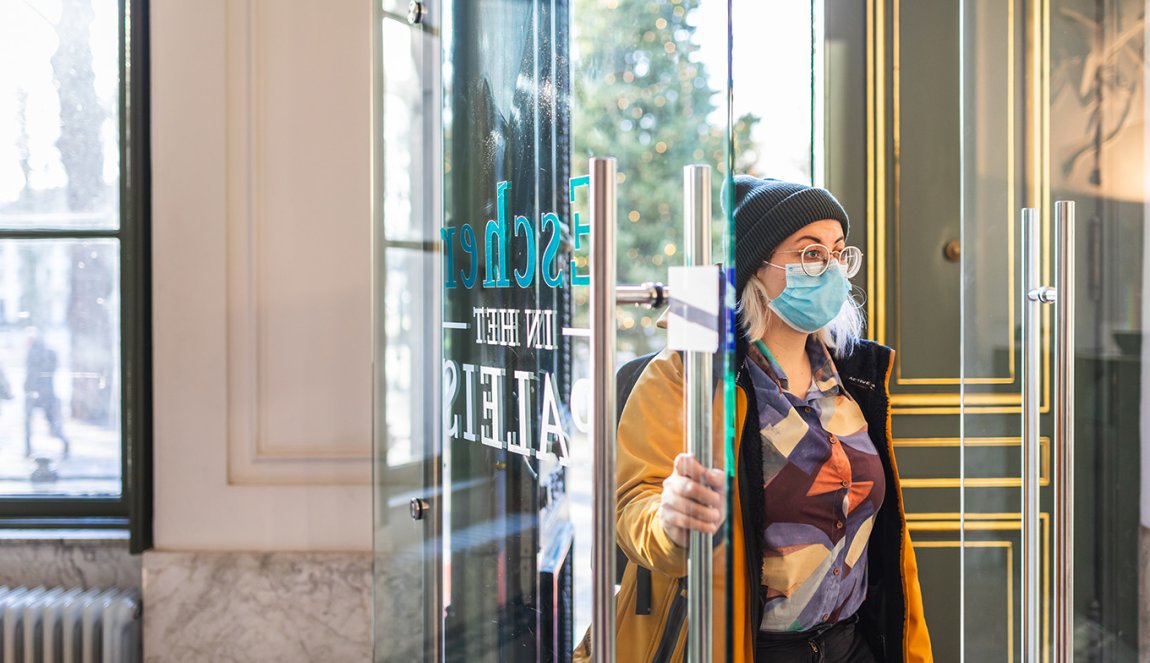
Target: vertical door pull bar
[(1062, 294), (1064, 435), (1035, 295), (698, 394), (603, 203)]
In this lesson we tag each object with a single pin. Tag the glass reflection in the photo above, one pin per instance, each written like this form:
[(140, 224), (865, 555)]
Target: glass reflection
[(59, 114), (59, 368)]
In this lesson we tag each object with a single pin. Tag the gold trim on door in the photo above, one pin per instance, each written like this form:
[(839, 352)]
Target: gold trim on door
[(944, 403), (876, 164), (974, 482), (896, 94), (1009, 547), (992, 522)]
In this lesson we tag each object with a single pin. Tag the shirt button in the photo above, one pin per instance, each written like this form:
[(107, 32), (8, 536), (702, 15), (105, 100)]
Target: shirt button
[(834, 440), (838, 524), (826, 616), (836, 572)]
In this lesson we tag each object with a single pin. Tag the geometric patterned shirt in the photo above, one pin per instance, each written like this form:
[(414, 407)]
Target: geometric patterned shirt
[(822, 487)]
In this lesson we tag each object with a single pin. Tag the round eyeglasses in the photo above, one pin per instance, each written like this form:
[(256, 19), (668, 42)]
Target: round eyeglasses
[(816, 258)]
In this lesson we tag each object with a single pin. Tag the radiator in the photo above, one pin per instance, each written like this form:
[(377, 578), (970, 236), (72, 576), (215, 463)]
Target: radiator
[(69, 625)]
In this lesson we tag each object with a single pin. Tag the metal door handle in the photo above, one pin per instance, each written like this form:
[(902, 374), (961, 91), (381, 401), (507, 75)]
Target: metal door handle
[(697, 392), (1062, 295), (1035, 294), (603, 294), (650, 294), (1064, 435)]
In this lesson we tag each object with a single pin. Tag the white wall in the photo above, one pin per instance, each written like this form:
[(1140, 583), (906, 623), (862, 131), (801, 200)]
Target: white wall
[(261, 262)]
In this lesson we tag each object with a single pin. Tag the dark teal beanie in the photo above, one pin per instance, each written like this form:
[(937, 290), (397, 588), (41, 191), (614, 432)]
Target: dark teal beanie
[(769, 211)]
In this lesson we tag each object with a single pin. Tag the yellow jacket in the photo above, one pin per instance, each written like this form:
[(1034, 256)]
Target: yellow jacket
[(651, 435)]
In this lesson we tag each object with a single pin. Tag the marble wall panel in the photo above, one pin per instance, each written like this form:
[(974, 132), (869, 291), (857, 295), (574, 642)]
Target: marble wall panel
[(72, 560), (279, 606), (399, 607)]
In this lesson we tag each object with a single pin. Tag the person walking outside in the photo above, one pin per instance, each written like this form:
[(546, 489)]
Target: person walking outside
[(40, 391)]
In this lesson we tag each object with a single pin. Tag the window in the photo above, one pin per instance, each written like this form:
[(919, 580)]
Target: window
[(74, 364), (778, 125)]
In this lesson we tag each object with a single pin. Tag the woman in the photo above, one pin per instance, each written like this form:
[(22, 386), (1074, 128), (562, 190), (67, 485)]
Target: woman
[(823, 565)]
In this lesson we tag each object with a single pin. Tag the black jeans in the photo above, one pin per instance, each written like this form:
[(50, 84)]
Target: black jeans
[(842, 642)]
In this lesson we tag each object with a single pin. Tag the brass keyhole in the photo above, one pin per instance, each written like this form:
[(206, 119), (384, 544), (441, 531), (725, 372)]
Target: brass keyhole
[(952, 251)]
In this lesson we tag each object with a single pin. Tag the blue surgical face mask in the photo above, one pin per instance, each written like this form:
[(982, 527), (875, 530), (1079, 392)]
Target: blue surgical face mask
[(808, 303)]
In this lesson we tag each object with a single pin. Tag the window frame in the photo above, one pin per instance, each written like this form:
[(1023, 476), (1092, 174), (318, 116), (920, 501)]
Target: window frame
[(132, 510)]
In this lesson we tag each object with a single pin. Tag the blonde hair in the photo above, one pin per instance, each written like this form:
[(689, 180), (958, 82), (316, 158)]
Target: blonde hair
[(840, 334)]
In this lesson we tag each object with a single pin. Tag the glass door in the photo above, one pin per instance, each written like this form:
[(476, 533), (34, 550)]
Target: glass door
[(1000, 173), (1053, 299), (544, 170)]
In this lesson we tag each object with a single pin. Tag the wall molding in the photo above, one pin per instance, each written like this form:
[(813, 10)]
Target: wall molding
[(256, 454)]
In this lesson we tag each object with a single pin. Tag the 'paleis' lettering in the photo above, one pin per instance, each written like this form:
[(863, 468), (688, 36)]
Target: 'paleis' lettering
[(551, 442)]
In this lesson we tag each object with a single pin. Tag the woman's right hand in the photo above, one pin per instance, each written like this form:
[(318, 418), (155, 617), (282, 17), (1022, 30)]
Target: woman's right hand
[(693, 499)]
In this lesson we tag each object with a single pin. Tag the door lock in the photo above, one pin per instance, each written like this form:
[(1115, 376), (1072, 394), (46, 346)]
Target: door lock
[(415, 12), (419, 508)]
